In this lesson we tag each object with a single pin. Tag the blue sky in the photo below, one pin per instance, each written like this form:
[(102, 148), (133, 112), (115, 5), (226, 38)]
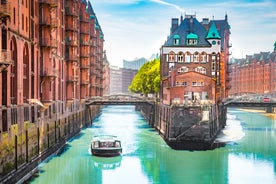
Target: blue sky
[(138, 28)]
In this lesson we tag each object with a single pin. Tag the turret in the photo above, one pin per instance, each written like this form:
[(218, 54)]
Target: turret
[(213, 35)]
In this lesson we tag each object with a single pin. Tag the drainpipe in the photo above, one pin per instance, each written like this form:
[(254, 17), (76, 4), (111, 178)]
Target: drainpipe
[(19, 4)]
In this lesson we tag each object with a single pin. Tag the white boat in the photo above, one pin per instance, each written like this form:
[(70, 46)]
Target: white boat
[(106, 145)]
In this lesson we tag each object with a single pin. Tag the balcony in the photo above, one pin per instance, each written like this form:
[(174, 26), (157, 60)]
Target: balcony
[(5, 10), (5, 60), (84, 42), (85, 66), (85, 82), (84, 19), (72, 79), (71, 42), (49, 73), (49, 22), (71, 57), (49, 42), (84, 55), (72, 27), (51, 3), (71, 12)]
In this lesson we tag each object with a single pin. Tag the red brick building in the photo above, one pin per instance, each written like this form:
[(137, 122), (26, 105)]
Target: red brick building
[(194, 61), (253, 74), (51, 60)]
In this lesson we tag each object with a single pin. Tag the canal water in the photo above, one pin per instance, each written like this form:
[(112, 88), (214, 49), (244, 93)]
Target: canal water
[(248, 157)]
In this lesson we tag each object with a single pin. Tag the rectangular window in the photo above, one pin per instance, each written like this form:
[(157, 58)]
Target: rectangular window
[(184, 83), (22, 22), (194, 84), (27, 25)]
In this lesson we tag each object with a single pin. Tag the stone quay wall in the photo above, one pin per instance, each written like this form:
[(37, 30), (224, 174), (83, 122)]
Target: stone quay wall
[(21, 152), (192, 127)]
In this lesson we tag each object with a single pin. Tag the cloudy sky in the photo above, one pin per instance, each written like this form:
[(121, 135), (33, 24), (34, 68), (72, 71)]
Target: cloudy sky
[(138, 28)]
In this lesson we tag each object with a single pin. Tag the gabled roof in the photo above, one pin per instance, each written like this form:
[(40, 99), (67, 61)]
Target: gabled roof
[(189, 26), (213, 32)]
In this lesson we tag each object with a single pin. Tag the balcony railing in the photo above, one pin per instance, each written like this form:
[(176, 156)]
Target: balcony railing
[(84, 42), (71, 12), (49, 42), (71, 42), (72, 78), (50, 72), (84, 19), (69, 56), (52, 22), (85, 66), (52, 3)]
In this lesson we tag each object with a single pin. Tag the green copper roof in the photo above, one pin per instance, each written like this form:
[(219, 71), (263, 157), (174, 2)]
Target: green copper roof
[(192, 36), (176, 37), (275, 46), (213, 32)]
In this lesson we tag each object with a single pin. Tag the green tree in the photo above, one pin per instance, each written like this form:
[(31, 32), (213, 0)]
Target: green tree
[(147, 79)]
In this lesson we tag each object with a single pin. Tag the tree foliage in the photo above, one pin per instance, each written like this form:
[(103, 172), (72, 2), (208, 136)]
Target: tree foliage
[(147, 79)]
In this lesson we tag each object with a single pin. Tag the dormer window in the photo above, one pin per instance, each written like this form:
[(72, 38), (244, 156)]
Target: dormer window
[(192, 39), (176, 39)]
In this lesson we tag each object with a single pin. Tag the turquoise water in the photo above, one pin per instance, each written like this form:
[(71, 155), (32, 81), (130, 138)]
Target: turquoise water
[(248, 157)]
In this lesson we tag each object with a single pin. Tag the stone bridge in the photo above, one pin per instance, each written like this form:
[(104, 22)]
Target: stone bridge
[(120, 99)]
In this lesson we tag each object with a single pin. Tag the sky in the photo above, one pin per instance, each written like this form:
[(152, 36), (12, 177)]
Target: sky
[(138, 28)]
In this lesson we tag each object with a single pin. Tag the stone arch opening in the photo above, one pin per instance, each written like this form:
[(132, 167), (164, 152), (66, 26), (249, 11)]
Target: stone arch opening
[(14, 72), (26, 72)]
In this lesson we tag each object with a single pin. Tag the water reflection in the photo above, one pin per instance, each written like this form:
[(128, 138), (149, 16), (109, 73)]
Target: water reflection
[(248, 157), (108, 163)]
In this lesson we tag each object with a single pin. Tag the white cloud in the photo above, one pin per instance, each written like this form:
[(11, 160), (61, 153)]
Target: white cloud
[(179, 8)]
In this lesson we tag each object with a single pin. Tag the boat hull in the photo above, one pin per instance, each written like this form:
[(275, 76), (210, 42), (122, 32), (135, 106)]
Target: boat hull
[(108, 152)]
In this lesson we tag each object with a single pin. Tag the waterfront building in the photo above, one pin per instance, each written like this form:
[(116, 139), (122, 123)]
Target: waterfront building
[(127, 77), (106, 75), (51, 60), (134, 64), (115, 80), (254, 74), (129, 70), (194, 60), (121, 78)]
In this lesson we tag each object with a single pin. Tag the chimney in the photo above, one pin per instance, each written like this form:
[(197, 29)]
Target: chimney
[(174, 24)]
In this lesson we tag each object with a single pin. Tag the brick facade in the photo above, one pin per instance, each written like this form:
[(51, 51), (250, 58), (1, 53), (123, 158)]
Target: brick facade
[(194, 61), (254, 74), (51, 60)]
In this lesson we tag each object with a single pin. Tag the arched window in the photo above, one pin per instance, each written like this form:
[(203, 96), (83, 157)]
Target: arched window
[(196, 57), (203, 57), (26, 80), (187, 57), (171, 57), (180, 57), (200, 69), (13, 75), (183, 69)]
